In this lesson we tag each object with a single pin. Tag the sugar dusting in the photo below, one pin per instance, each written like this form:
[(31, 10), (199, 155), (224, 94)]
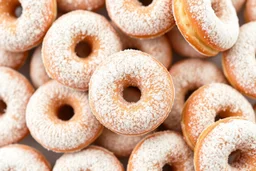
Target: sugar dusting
[(120, 145), (241, 60), (93, 159), (16, 157), (224, 139), (12, 59), (38, 74), (131, 118), (15, 91), (58, 56), (53, 133), (216, 97), (159, 48), (135, 19), (189, 75), (159, 149), (36, 18), (222, 30)]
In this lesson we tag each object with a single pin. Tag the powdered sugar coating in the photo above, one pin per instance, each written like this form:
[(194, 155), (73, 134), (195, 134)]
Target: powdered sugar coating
[(12, 59), (38, 74), (131, 68), (70, 5), (37, 16), (15, 91), (188, 75), (239, 62), (93, 158), (58, 52), (53, 133), (141, 21), (214, 148), (21, 157), (120, 145), (159, 48), (210, 100), (250, 10), (161, 148)]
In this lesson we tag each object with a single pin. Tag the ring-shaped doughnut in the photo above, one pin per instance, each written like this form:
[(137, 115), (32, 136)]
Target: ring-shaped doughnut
[(27, 31), (124, 69), (209, 101), (210, 26)]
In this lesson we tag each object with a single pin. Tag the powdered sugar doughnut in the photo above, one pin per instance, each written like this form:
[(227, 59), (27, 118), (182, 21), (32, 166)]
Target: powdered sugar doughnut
[(159, 48), (93, 158), (210, 26), (58, 52), (181, 46), (27, 31), (140, 21), (120, 145), (124, 69), (70, 5), (250, 11), (238, 4), (37, 72), (161, 148), (52, 127), (239, 63), (12, 59), (22, 157), (206, 103), (15, 91), (189, 75), (219, 140)]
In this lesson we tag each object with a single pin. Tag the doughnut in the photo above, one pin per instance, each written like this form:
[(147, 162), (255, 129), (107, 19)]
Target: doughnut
[(181, 46), (209, 26), (70, 5), (54, 125), (37, 72), (238, 4), (11, 59), (250, 11), (220, 139), (22, 157), (140, 21), (239, 62), (15, 92), (19, 34), (189, 75), (159, 48), (120, 145), (124, 69), (159, 149), (208, 103), (92, 158), (58, 51)]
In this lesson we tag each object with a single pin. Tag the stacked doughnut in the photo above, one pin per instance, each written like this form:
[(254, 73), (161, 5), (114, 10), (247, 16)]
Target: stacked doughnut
[(105, 92)]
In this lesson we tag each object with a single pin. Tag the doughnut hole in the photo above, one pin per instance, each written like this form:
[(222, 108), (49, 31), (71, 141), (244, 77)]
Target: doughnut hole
[(65, 112), (3, 107), (131, 94), (12, 9), (168, 167), (146, 2), (189, 93), (132, 48), (83, 49), (222, 114), (234, 157)]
